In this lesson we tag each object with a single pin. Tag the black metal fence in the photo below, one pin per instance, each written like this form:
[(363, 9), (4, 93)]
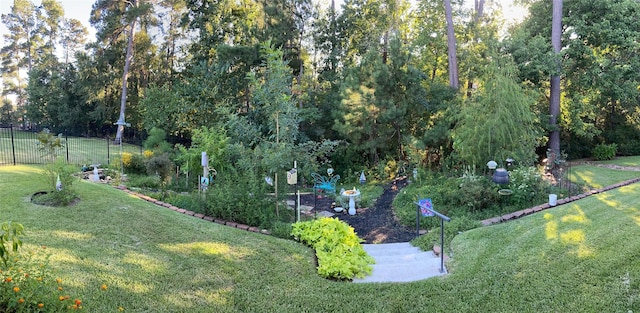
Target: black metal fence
[(22, 147)]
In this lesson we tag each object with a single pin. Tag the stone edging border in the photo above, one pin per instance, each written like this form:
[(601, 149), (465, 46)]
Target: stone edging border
[(487, 222), (542, 207), (194, 214)]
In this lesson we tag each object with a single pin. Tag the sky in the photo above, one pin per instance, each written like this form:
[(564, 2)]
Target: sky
[(81, 9), (77, 9)]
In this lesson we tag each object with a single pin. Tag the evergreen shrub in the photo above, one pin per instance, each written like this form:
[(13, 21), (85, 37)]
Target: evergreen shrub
[(604, 152)]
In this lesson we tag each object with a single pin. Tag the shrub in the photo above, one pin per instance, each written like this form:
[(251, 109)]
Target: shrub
[(241, 200), (476, 193), (133, 163), (191, 202), (527, 185), (439, 188), (156, 141), (340, 254), (161, 166), (604, 152), (60, 179)]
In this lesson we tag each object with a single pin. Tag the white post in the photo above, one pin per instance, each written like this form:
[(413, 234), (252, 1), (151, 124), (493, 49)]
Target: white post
[(205, 170), (295, 166)]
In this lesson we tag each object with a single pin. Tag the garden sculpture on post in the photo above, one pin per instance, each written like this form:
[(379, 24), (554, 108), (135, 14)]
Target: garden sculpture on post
[(322, 183)]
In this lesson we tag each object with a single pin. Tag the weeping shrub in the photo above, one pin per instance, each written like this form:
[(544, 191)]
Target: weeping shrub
[(497, 122)]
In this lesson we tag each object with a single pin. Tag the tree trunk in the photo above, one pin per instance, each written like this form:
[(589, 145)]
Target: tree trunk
[(123, 100), (554, 94), (479, 6), (479, 11), (451, 43)]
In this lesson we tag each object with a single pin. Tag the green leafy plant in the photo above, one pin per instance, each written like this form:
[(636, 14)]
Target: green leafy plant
[(161, 166), (59, 174), (240, 198), (10, 240), (527, 186), (60, 178), (340, 254), (605, 152), (49, 144), (156, 141), (133, 163), (26, 284)]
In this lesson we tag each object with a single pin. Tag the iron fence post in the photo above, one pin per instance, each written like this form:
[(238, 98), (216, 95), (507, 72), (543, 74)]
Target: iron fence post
[(13, 145)]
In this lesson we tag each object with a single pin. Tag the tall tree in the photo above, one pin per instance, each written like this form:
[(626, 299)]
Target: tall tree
[(116, 32), (599, 85), (382, 103), (554, 95), (18, 53), (451, 46), (51, 21), (277, 115), (7, 113), (125, 73), (73, 35)]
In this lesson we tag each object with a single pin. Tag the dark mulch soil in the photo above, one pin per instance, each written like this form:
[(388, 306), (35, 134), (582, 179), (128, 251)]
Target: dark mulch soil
[(376, 224)]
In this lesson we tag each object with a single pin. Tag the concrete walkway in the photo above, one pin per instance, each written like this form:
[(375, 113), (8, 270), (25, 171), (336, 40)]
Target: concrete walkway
[(400, 262)]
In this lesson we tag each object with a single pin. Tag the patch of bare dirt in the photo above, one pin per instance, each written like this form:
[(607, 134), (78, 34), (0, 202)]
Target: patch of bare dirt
[(375, 224)]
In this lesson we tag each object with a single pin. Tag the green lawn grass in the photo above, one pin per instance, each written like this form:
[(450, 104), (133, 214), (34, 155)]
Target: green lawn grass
[(624, 161), (78, 150), (593, 176), (580, 257)]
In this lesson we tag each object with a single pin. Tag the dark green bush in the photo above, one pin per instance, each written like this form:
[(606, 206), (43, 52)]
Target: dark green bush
[(156, 141), (604, 152), (136, 164), (476, 194), (238, 199), (439, 188)]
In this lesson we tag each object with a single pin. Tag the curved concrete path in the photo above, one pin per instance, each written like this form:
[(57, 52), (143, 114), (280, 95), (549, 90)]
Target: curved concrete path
[(400, 262)]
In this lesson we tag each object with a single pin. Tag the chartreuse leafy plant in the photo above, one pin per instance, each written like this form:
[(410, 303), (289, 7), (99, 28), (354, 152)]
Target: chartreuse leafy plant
[(340, 254)]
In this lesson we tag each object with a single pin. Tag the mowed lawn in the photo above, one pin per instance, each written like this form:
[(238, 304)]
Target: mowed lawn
[(23, 147), (580, 257)]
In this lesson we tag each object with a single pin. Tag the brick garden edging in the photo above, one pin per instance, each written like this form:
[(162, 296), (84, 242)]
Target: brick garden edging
[(194, 214), (495, 220), (541, 207)]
